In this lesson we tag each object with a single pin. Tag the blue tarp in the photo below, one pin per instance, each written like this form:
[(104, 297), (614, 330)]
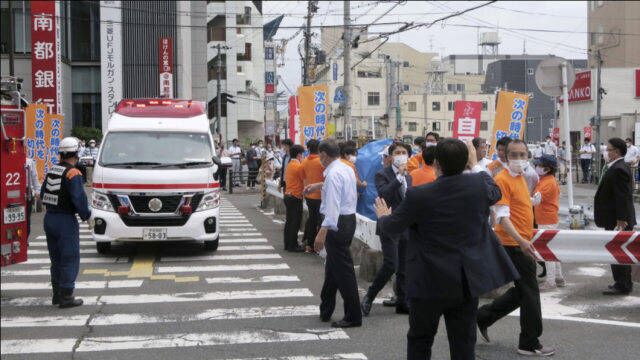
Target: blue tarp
[(368, 163)]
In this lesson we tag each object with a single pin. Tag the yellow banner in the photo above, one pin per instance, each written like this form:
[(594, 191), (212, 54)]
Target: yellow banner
[(511, 116), (44, 132), (313, 102)]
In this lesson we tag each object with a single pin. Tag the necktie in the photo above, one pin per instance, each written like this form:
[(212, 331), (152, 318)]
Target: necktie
[(604, 171)]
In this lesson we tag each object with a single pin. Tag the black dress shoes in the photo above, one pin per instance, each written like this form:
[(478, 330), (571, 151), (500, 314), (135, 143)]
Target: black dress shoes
[(390, 302), (614, 291), (402, 309), (325, 318), (345, 324), (366, 305)]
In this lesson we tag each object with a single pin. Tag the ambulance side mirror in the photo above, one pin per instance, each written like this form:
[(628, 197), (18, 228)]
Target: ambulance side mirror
[(216, 163)]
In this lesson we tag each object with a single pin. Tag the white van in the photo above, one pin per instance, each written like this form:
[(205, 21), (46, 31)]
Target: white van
[(154, 178)]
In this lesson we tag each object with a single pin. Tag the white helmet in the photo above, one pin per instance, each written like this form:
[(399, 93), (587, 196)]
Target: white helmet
[(69, 145)]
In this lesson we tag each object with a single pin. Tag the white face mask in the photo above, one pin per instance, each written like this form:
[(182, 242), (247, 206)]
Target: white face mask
[(430, 144), (540, 171), (399, 160), (352, 158), (518, 166)]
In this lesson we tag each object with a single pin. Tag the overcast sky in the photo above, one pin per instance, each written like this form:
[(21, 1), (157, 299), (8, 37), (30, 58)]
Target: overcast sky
[(568, 18)]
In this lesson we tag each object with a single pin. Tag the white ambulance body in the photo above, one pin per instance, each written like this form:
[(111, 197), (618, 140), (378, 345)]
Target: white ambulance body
[(153, 180)]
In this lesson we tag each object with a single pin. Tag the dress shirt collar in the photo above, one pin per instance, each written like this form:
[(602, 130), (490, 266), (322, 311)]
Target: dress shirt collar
[(331, 166), (610, 164)]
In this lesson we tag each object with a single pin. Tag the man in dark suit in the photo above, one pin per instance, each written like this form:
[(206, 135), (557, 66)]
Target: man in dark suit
[(453, 255), (613, 208), (392, 183)]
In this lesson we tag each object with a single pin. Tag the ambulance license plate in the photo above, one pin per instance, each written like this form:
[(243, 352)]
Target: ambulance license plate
[(14, 215), (154, 234)]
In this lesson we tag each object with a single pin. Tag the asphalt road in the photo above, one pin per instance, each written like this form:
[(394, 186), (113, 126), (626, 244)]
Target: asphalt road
[(252, 300)]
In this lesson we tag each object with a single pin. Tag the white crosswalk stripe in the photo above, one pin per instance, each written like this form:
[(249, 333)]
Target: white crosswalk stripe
[(246, 278)]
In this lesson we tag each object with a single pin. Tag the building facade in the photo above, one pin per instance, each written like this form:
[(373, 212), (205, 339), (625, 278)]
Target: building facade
[(613, 29)]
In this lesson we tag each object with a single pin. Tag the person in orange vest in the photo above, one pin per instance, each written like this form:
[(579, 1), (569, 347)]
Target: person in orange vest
[(293, 199), (416, 161), (426, 173), (546, 197), (311, 172), (348, 155)]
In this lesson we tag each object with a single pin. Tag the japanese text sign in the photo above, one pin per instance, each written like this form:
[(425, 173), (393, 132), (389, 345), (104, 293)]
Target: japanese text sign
[(44, 132), (313, 102), (581, 89), (165, 62), (466, 120), (511, 113), (294, 119), (46, 67), (111, 57)]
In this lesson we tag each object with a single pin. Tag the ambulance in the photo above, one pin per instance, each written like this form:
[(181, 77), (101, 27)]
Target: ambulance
[(154, 175)]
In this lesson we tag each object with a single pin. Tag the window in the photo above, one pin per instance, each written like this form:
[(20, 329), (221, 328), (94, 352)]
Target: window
[(451, 87), (85, 31), (485, 106), (413, 126), (21, 25), (484, 126), (212, 68), (247, 53), (245, 18), (216, 29), (369, 74), (460, 87), (239, 31), (405, 87), (405, 64), (86, 100), (450, 126), (413, 106), (268, 53), (435, 126), (600, 35), (450, 106), (212, 107), (435, 106), (239, 69), (530, 71), (373, 98)]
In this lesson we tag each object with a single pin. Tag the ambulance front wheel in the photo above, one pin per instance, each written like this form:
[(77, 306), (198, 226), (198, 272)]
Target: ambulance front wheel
[(211, 245), (103, 247)]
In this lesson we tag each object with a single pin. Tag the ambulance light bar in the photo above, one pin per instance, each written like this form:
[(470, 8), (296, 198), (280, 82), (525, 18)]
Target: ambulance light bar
[(169, 108)]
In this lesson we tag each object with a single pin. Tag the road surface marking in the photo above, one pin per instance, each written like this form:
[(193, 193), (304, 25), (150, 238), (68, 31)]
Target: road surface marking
[(101, 284), (83, 260), (221, 257), (142, 266), (216, 268), (44, 237), (224, 235), (260, 279), (234, 222), (138, 318), (351, 356), (44, 244), (26, 272), (168, 298), (107, 343), (248, 240), (245, 247), (46, 252)]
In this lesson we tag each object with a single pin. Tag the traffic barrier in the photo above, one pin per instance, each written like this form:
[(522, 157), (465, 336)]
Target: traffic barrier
[(588, 246)]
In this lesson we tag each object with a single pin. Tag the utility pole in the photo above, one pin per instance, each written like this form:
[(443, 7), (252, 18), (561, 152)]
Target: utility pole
[(347, 69), (11, 45), (398, 109), (307, 45), (598, 119), (219, 92)]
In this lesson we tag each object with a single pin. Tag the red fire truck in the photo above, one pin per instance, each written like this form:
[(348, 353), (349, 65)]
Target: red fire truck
[(13, 203)]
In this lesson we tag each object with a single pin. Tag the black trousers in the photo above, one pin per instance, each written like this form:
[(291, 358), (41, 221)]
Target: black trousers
[(339, 274), (394, 254), (313, 222), (525, 295), (459, 318), (585, 164), (622, 273), (29, 211), (292, 221), (251, 180)]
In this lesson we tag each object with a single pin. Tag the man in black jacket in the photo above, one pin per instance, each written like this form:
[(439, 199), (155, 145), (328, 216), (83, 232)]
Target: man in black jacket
[(452, 256), (613, 208), (392, 183)]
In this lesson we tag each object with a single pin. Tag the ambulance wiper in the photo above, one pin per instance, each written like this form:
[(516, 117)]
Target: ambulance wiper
[(132, 163), (184, 164)]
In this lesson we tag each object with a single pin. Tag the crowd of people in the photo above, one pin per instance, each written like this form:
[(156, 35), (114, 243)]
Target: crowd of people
[(453, 225)]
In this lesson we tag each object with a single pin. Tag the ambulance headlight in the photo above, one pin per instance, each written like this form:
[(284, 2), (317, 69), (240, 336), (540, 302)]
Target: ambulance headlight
[(101, 201), (210, 200)]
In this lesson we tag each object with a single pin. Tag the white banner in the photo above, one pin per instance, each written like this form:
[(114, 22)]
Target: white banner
[(111, 57)]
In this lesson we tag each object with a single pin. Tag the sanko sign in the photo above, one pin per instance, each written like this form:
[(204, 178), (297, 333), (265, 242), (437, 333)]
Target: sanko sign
[(581, 89)]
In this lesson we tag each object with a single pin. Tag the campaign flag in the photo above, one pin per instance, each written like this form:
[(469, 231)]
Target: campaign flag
[(511, 114), (313, 105), (466, 120), (44, 132)]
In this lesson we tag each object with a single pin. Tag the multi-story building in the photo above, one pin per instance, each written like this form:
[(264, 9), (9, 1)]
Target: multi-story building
[(439, 112), (519, 75), (613, 30)]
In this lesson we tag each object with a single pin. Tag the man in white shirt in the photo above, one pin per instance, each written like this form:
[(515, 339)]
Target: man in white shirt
[(586, 155), (33, 189), (235, 152), (480, 146), (550, 147), (633, 154), (339, 199), (537, 151)]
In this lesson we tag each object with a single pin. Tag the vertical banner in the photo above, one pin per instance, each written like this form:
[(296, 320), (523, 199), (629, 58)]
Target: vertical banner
[(466, 120), (110, 57), (46, 65), (165, 62), (581, 89), (637, 83), (588, 133), (269, 82), (313, 102), (555, 136), (44, 132), (294, 119), (511, 113)]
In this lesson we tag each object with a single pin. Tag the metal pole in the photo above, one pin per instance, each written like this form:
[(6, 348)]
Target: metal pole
[(219, 92), (598, 113), (565, 97), (398, 110), (373, 128), (11, 36), (347, 69), (307, 45)]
